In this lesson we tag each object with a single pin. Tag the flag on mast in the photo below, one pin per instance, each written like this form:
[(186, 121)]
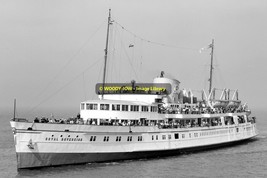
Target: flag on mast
[(205, 48)]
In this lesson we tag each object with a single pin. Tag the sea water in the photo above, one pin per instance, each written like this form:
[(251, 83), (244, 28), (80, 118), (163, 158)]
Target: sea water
[(245, 160)]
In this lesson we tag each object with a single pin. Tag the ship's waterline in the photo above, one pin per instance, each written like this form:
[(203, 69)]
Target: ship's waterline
[(152, 120)]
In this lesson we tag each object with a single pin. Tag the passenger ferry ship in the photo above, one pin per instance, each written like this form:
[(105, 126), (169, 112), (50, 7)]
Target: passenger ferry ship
[(135, 120)]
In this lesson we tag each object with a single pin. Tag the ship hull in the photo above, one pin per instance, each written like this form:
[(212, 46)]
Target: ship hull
[(37, 160), (42, 144)]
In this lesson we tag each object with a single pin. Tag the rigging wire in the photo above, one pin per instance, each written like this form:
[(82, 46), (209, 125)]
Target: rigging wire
[(70, 60), (129, 59), (121, 45), (61, 88), (84, 89), (98, 80), (132, 60), (116, 61), (113, 37), (100, 72), (219, 71), (141, 58), (120, 55), (205, 75), (154, 42), (135, 60), (133, 50)]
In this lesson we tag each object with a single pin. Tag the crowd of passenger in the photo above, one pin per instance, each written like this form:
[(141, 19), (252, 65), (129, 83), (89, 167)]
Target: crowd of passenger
[(72, 120), (195, 109), (200, 110), (113, 122), (172, 123), (162, 124)]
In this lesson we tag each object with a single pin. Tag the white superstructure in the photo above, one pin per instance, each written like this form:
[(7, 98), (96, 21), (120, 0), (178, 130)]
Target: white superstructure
[(140, 125), (132, 121)]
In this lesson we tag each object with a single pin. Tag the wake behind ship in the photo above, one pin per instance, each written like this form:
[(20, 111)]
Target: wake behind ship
[(135, 120)]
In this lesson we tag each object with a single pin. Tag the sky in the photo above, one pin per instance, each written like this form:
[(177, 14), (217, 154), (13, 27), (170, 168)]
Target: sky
[(52, 52)]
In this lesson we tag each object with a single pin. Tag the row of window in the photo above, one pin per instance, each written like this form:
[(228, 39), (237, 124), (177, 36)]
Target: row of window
[(118, 138), (164, 137), (92, 138), (106, 139), (139, 138), (214, 132), (118, 107), (176, 135)]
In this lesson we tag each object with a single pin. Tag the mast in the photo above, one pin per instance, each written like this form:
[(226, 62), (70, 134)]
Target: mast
[(211, 64), (106, 54)]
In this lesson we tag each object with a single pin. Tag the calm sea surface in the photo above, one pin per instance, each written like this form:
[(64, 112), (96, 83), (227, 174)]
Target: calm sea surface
[(245, 160)]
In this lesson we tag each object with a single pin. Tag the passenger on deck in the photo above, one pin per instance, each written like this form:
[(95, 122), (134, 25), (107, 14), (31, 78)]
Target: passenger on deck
[(44, 120), (36, 120), (61, 121)]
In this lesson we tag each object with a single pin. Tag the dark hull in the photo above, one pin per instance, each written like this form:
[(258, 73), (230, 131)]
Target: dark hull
[(35, 160)]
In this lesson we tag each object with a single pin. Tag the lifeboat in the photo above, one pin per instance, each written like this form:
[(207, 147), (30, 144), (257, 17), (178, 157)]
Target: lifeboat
[(234, 104), (219, 103)]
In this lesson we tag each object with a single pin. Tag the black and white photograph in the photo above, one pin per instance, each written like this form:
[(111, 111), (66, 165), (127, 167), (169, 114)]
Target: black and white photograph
[(133, 88)]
